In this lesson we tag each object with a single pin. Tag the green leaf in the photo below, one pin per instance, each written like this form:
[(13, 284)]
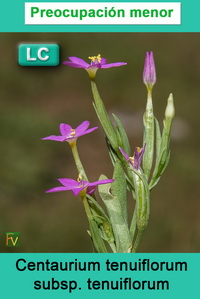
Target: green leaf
[(142, 177), (118, 156), (133, 225), (142, 199), (119, 188), (144, 134), (102, 221), (162, 161), (124, 138), (153, 183), (96, 239), (119, 225), (97, 207), (166, 162), (160, 167), (103, 117), (111, 151), (158, 139), (105, 228)]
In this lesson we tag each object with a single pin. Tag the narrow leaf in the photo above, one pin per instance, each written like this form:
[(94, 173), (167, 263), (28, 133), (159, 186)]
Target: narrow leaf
[(124, 138), (97, 240), (119, 225), (103, 117), (158, 139), (119, 188), (102, 221)]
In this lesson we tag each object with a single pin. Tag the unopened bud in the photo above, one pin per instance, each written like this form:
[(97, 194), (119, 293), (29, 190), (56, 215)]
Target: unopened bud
[(170, 110), (149, 73)]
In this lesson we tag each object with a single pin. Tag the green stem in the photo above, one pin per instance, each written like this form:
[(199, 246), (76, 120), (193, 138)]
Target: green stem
[(86, 206), (137, 240), (133, 225), (94, 230), (148, 135), (77, 160), (142, 206)]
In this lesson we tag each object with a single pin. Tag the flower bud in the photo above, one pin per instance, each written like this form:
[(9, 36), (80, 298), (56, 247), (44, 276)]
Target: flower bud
[(170, 110), (149, 73)]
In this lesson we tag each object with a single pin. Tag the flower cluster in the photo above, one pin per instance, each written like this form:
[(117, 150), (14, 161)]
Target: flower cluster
[(70, 135), (67, 133), (113, 225)]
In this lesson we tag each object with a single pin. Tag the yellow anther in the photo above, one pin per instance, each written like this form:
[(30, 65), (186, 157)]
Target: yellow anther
[(95, 58), (99, 57), (79, 179), (138, 149), (72, 133), (131, 159)]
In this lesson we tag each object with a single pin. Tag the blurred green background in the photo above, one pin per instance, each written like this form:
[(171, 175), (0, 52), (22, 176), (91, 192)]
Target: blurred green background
[(34, 101)]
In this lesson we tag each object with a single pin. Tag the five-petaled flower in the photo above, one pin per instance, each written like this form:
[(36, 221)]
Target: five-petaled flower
[(149, 73), (70, 135), (77, 186), (97, 62), (136, 160)]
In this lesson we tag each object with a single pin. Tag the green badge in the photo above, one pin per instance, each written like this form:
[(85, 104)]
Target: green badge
[(38, 54)]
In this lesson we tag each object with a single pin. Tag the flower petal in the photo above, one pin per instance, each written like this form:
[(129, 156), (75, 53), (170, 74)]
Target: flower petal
[(149, 72), (103, 61), (54, 138), (77, 190), (82, 127), (152, 68), (69, 183), (115, 64), (87, 132), (138, 155), (94, 65), (90, 190), (69, 63), (56, 189), (65, 129), (124, 154), (102, 182), (79, 61)]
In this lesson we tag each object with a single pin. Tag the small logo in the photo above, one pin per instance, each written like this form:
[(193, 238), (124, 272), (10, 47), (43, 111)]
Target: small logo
[(12, 239), (38, 54)]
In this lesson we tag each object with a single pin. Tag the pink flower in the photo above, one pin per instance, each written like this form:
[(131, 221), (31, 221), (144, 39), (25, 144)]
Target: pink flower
[(70, 135), (97, 62), (77, 186), (136, 160)]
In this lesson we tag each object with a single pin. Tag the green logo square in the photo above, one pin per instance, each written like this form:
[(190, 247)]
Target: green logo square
[(12, 239), (38, 54)]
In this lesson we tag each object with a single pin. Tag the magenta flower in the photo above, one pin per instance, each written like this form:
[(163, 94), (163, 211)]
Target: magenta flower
[(70, 135), (97, 62), (136, 160), (78, 186), (149, 73)]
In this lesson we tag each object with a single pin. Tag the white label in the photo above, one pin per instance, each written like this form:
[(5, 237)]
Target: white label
[(102, 13)]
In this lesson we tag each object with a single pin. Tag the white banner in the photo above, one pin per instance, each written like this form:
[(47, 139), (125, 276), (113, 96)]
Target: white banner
[(102, 13)]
